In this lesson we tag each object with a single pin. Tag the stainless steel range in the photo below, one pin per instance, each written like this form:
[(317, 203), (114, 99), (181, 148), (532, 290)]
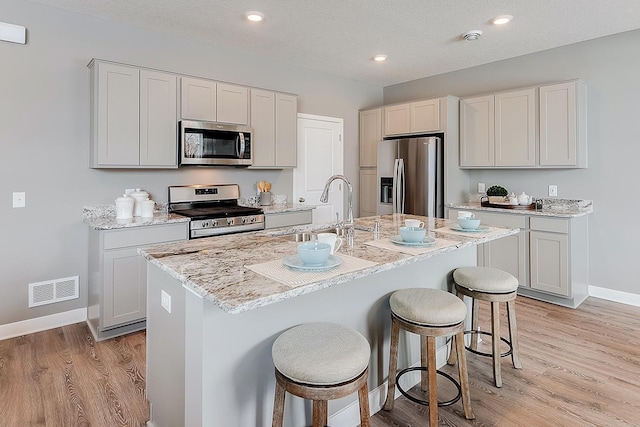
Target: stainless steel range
[(214, 210)]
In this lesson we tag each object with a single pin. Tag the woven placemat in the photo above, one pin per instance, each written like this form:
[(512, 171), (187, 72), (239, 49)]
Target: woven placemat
[(279, 272), (478, 234), (410, 250)]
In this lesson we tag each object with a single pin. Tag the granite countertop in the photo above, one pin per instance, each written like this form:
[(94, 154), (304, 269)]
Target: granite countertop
[(104, 218), (215, 268), (560, 208), (275, 209)]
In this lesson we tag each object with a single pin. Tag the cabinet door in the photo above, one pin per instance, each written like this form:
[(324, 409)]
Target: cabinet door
[(549, 262), (515, 128), (477, 131), (232, 104), (263, 122), (370, 135), (425, 116), (397, 119), (286, 130), (558, 125), (198, 99), (125, 287), (158, 119), (117, 122), (368, 193), (509, 254)]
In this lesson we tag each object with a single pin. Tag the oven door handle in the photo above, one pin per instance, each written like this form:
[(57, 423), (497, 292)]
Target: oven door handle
[(240, 146)]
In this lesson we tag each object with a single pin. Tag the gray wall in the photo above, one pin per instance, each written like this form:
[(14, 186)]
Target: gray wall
[(610, 66), (44, 135)]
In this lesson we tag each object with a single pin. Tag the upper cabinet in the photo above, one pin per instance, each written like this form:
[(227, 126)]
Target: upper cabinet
[(274, 123), (563, 130), (133, 117), (208, 100), (412, 117), (530, 128), (370, 135)]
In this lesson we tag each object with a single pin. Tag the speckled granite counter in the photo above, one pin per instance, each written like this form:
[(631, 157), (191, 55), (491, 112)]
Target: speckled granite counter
[(560, 208), (275, 209), (104, 218), (215, 268)]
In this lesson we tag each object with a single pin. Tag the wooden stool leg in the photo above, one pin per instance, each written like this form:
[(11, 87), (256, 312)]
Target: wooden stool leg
[(320, 415), (453, 352), (495, 341), (363, 401), (424, 362), (393, 365), (474, 323), (278, 405), (433, 382), (513, 334), (463, 376)]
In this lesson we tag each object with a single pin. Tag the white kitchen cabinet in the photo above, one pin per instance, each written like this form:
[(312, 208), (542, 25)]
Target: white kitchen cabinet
[(563, 125), (370, 135), (549, 260), (118, 276), (232, 104), (198, 99), (288, 219), (412, 117), (499, 130), (274, 119), (133, 117), (368, 191)]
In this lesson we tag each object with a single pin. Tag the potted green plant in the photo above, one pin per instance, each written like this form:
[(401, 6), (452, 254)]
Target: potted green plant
[(497, 194)]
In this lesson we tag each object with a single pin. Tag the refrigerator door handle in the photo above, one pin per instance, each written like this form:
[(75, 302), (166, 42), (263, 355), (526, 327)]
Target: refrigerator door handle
[(401, 187), (394, 189)]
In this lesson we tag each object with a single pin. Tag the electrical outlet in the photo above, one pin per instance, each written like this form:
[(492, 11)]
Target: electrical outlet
[(165, 301), (553, 191), (481, 188), (19, 199)]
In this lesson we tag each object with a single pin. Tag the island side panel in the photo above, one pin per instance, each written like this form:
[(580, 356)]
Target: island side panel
[(235, 372)]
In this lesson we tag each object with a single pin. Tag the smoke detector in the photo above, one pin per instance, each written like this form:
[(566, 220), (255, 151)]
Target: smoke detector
[(472, 35)]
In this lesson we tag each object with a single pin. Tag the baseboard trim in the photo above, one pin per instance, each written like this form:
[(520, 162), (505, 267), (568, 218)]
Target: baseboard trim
[(43, 323), (350, 414), (615, 296)]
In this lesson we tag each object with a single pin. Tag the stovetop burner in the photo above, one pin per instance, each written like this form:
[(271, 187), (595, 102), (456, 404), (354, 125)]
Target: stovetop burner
[(214, 210)]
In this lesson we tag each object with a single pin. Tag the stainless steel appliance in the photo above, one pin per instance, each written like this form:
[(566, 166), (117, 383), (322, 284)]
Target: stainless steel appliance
[(209, 143), (410, 176), (214, 210)]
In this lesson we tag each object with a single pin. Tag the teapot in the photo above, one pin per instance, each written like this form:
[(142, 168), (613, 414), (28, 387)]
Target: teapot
[(513, 199), (524, 199)]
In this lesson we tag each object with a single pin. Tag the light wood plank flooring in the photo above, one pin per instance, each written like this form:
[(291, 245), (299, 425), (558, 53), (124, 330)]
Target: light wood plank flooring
[(581, 368)]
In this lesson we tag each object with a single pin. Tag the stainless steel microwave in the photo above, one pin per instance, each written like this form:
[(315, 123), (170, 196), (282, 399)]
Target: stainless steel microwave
[(210, 143)]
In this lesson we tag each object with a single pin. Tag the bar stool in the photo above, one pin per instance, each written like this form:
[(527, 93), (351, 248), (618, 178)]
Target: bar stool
[(320, 362), (495, 286), (429, 313)]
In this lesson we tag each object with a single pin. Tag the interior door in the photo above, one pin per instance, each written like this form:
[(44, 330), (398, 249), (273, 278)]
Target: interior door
[(320, 155)]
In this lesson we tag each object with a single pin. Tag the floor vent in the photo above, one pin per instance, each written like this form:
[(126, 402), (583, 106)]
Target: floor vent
[(51, 291)]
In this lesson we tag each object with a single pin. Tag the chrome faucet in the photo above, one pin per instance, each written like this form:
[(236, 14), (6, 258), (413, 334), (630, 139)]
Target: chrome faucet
[(324, 198)]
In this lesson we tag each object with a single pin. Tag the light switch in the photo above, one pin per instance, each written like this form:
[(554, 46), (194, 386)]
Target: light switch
[(19, 199)]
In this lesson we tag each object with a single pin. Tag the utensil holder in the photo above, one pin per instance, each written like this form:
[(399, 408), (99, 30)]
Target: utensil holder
[(265, 198)]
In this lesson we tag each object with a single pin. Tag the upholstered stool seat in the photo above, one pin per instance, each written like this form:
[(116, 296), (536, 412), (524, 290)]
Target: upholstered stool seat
[(495, 286), (321, 361), (429, 313)]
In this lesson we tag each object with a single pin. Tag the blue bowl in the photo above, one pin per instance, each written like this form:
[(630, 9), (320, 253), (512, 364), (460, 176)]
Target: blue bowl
[(412, 234), (469, 223), (314, 253)]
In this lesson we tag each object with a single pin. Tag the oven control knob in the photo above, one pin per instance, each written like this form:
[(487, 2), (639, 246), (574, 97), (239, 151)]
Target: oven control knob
[(229, 221), (244, 219), (205, 224), (214, 223), (252, 219)]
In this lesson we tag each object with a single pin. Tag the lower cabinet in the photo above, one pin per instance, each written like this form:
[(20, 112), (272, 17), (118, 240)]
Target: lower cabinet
[(549, 255), (117, 301), (368, 183), (288, 219)]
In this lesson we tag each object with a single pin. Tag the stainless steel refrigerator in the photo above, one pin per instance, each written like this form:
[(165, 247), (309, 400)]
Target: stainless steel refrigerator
[(410, 176)]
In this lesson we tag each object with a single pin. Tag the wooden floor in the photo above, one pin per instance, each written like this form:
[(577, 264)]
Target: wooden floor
[(581, 368)]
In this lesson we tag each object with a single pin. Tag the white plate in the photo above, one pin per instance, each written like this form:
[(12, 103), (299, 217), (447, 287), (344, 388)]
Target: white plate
[(426, 242), (295, 263), (480, 229)]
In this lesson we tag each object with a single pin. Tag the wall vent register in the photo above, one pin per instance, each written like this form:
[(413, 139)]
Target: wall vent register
[(51, 291)]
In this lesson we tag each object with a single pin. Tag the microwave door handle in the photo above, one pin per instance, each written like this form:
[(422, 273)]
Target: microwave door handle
[(241, 145)]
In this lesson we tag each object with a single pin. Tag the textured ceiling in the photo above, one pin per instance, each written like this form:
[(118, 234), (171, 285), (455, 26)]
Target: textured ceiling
[(421, 37)]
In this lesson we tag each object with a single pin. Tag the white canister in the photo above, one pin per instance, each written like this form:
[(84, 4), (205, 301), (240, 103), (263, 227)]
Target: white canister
[(124, 207), (139, 196), (147, 208)]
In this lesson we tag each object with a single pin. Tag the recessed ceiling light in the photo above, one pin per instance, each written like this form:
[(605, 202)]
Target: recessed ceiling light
[(254, 16), (380, 58), (502, 19), (472, 35)]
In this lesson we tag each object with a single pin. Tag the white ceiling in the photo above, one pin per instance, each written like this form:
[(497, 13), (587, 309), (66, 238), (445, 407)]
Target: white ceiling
[(421, 37)]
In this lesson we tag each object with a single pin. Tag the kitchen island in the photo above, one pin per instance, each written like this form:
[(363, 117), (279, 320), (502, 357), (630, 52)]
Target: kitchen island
[(216, 305)]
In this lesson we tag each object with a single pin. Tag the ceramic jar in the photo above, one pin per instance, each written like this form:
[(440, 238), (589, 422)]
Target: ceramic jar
[(124, 207), (139, 196)]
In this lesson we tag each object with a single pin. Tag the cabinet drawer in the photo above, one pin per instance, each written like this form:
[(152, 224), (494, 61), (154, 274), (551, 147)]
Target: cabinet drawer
[(145, 235), (553, 225), (288, 219), (503, 220)]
